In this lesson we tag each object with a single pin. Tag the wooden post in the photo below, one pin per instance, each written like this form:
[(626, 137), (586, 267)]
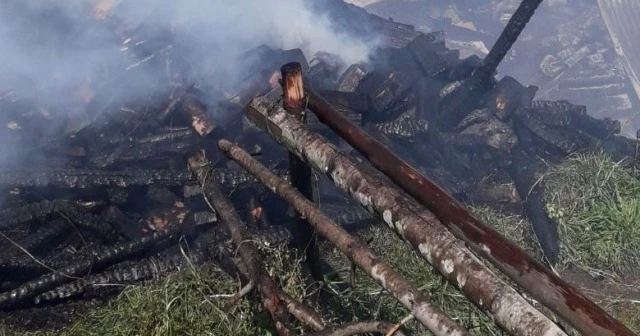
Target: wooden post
[(302, 177)]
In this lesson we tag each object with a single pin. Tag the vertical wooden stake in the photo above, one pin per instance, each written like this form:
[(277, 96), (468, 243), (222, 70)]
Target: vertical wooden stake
[(302, 177), (293, 88)]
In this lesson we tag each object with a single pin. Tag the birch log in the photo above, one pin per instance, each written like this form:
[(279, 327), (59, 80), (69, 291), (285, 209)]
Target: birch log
[(409, 220), (406, 293)]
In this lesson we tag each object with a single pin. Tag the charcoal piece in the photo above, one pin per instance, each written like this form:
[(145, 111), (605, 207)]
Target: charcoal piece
[(465, 68), (23, 267), (122, 223), (72, 178), (47, 236), (386, 88), (554, 113), (435, 64), (13, 217), (458, 99), (577, 114), (142, 270), (406, 126), (88, 221), (162, 195), (428, 97), (117, 195), (351, 78), (431, 42), (321, 76), (170, 134), (523, 172), (487, 131), (95, 260), (197, 114), (476, 117), (174, 100), (204, 217), (506, 98), (562, 139)]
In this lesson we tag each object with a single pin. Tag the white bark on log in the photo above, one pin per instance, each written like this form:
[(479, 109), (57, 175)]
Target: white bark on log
[(404, 291), (415, 224)]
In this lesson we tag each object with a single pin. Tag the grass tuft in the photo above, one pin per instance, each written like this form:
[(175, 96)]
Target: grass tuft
[(596, 203)]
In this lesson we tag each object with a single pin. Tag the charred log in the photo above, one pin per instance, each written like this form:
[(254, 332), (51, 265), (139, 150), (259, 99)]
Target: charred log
[(71, 178), (120, 275), (523, 172), (94, 260)]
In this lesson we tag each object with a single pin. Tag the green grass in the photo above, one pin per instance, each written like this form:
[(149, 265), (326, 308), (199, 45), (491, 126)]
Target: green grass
[(366, 301), (596, 203)]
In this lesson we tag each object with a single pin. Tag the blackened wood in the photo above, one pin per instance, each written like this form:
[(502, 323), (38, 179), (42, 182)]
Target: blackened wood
[(540, 282), (507, 38), (404, 291), (95, 260), (463, 101)]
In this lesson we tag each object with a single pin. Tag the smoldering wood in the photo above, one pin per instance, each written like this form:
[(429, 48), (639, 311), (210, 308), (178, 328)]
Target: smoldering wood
[(523, 172), (409, 220), (351, 78), (463, 100), (121, 275), (536, 279), (405, 292), (83, 178), (247, 250), (94, 260)]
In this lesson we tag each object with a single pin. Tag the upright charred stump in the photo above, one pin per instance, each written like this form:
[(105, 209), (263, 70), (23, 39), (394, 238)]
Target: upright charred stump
[(294, 101), (465, 99)]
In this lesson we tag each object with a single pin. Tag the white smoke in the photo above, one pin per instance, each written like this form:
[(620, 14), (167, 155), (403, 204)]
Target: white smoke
[(77, 47)]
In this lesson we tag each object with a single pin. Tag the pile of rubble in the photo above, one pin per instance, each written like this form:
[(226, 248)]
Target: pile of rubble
[(121, 177)]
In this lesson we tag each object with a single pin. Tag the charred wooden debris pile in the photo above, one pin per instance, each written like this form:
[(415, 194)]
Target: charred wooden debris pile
[(122, 197)]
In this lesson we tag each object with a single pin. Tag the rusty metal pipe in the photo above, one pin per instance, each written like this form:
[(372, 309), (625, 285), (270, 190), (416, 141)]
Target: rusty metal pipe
[(540, 282)]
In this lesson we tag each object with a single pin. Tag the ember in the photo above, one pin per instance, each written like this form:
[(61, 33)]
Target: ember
[(104, 195)]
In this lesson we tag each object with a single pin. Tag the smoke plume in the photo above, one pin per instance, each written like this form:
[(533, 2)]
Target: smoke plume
[(50, 45)]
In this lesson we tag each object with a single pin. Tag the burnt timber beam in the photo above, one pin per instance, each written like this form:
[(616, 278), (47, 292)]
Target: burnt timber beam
[(462, 101), (406, 293), (541, 283), (416, 225)]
